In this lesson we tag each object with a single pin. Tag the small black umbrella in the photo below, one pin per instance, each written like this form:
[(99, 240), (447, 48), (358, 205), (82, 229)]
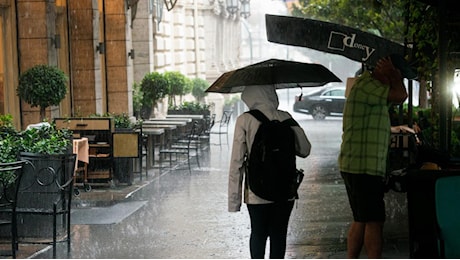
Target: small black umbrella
[(280, 73)]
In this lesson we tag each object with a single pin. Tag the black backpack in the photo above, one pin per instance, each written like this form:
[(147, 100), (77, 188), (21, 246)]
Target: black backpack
[(271, 166)]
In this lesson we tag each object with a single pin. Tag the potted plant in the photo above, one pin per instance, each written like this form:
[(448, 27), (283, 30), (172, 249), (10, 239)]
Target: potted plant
[(199, 87), (178, 85), (42, 86), (190, 108), (155, 87), (47, 150), (137, 99), (9, 145)]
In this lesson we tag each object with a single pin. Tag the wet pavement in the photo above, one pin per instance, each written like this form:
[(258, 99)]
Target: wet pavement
[(179, 214)]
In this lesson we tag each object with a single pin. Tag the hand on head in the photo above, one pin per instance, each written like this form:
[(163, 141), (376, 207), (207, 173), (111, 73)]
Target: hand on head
[(385, 71)]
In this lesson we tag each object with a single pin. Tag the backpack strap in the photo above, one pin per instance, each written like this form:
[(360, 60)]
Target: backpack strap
[(263, 118), (259, 115), (291, 122)]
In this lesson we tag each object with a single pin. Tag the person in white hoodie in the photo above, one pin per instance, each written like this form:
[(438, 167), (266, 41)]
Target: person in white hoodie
[(268, 219)]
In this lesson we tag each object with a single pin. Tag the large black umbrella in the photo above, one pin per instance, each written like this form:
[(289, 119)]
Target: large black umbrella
[(280, 73), (331, 38)]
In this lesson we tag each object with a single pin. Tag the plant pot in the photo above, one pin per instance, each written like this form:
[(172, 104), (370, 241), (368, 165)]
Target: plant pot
[(123, 166), (146, 112), (188, 112), (123, 170)]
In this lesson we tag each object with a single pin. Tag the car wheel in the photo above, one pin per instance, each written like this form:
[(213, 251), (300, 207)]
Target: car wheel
[(319, 112)]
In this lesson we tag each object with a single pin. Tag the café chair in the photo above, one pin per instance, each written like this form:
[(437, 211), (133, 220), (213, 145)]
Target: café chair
[(447, 201), (222, 128), (8, 199), (183, 148)]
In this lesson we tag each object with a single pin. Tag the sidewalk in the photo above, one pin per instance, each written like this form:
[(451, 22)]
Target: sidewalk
[(318, 224)]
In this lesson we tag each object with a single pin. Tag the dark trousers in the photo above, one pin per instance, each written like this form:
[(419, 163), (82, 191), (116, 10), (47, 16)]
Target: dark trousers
[(269, 220)]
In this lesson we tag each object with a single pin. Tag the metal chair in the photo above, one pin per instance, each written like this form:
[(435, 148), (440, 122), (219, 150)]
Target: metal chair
[(180, 148), (447, 201), (207, 124), (8, 199), (222, 129), (45, 199)]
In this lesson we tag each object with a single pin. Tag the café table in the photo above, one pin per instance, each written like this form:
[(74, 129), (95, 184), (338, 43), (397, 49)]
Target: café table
[(181, 128), (153, 133)]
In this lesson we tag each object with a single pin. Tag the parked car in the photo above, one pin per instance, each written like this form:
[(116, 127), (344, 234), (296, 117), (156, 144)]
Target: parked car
[(327, 101)]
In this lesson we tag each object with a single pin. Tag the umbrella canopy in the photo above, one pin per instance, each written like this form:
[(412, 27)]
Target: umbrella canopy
[(280, 73), (331, 38)]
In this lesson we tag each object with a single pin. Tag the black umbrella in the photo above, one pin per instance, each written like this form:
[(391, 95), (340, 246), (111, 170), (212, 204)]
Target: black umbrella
[(331, 38), (280, 73)]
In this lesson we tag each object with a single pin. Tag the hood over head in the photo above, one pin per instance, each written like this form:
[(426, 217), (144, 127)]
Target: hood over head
[(261, 97)]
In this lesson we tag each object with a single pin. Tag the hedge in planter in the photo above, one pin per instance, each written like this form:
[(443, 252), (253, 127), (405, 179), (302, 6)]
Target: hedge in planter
[(189, 108)]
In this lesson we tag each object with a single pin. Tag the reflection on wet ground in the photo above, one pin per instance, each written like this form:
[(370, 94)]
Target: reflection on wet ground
[(184, 215)]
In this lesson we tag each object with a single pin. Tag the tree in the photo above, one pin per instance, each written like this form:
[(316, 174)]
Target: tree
[(138, 96), (177, 85), (198, 88), (42, 86), (384, 18), (155, 87)]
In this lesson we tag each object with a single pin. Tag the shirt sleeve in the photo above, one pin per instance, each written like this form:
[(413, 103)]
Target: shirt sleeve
[(236, 172), (302, 144)]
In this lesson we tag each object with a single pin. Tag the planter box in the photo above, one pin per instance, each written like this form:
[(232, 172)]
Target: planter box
[(125, 148), (189, 112), (123, 170)]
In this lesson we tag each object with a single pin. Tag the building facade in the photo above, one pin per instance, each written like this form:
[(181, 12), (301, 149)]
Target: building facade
[(105, 46)]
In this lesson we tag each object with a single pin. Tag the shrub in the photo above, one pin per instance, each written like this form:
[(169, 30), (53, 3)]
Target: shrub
[(42, 86), (178, 85), (199, 87), (155, 87)]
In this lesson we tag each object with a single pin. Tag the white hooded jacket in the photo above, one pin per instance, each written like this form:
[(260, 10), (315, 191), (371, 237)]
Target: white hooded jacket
[(265, 99)]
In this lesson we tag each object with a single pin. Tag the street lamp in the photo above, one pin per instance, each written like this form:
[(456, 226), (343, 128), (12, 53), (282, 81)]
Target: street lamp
[(245, 9), (232, 6)]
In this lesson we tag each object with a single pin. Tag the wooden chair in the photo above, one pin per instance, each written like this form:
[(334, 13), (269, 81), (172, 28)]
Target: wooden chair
[(8, 200)]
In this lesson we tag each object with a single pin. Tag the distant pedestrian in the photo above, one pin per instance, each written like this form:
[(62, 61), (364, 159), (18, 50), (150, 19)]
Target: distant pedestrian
[(268, 219), (364, 150)]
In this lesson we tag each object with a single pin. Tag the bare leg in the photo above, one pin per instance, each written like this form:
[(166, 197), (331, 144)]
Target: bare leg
[(355, 239), (373, 240)]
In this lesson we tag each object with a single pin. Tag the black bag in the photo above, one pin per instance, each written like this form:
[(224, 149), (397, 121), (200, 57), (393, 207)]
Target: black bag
[(271, 166)]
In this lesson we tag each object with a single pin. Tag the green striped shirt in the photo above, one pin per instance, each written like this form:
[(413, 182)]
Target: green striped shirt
[(366, 128)]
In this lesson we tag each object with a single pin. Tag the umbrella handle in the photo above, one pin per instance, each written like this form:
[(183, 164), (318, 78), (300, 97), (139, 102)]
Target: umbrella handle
[(301, 93)]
